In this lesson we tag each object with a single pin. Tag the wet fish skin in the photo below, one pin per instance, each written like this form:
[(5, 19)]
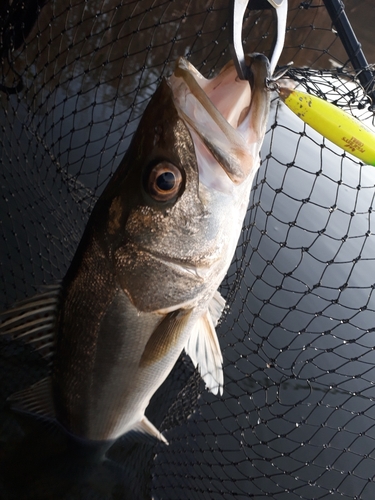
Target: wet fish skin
[(114, 286), (143, 283)]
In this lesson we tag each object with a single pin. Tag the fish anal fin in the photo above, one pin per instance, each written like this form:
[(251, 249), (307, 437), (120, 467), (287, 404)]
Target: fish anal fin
[(204, 350), (164, 337), (35, 399), (149, 430)]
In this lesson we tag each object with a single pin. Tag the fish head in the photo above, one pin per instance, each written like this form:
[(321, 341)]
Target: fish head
[(227, 118), (175, 206)]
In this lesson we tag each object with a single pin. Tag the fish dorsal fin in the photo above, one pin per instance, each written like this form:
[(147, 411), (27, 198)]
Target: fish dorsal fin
[(164, 337), (33, 320), (204, 350), (147, 428), (35, 399), (216, 307)]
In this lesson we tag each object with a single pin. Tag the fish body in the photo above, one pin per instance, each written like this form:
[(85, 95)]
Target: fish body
[(143, 283)]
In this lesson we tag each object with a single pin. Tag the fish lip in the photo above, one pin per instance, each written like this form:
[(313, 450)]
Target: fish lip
[(234, 147), (263, 68)]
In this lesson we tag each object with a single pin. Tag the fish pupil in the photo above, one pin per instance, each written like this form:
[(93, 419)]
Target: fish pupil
[(166, 181)]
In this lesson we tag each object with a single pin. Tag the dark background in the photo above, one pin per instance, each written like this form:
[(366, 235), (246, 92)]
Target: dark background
[(297, 418)]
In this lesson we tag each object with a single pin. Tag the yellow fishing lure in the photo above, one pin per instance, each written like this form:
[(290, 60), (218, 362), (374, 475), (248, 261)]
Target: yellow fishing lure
[(333, 123)]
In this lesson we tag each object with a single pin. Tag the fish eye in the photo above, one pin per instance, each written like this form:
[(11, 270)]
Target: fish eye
[(164, 181)]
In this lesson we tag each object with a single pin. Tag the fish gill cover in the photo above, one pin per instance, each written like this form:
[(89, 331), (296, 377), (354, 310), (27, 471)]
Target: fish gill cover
[(296, 418)]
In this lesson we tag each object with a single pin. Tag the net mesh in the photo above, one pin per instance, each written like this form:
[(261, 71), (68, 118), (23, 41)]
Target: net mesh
[(297, 417)]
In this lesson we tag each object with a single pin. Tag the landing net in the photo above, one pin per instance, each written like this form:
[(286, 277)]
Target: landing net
[(297, 418)]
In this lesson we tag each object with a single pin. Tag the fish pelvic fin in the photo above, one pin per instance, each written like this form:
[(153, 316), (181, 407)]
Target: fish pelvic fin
[(216, 307), (148, 429), (35, 399), (33, 320), (204, 349)]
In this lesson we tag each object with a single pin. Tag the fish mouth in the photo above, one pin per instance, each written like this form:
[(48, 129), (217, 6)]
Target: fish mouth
[(226, 116)]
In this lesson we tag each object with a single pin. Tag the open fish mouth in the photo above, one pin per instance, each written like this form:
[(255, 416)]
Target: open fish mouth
[(226, 117)]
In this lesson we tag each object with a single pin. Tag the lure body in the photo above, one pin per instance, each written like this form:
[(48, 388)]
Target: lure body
[(333, 123)]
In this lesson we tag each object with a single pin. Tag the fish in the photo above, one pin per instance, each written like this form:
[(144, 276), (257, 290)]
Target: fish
[(143, 283)]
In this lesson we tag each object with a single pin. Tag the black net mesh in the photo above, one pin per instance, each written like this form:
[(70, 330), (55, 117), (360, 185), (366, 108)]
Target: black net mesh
[(297, 418)]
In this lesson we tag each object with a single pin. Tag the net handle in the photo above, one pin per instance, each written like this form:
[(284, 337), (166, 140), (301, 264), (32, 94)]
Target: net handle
[(336, 11)]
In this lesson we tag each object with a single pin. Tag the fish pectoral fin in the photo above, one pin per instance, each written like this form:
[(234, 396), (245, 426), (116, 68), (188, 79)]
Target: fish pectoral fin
[(148, 429), (33, 320), (164, 337), (204, 350), (35, 399)]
